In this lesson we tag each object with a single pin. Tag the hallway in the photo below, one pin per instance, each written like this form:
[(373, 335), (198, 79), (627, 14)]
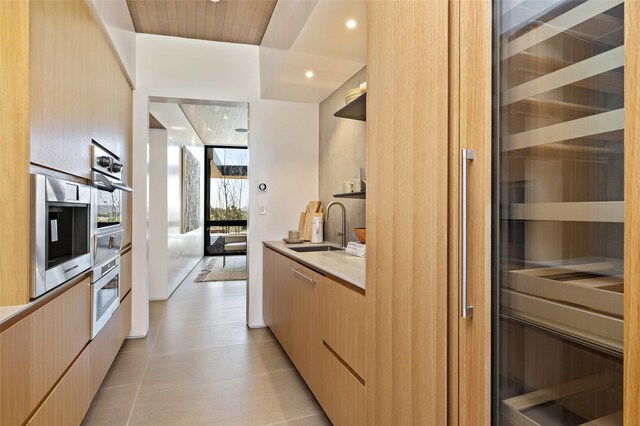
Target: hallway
[(200, 364)]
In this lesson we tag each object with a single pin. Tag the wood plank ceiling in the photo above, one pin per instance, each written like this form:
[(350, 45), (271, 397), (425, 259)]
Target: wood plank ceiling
[(217, 124), (234, 21)]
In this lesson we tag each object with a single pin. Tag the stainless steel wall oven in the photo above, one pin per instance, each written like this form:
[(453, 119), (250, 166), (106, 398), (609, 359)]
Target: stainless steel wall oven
[(107, 201), (61, 231)]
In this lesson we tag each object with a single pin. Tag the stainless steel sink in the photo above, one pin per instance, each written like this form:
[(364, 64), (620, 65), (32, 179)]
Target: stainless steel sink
[(316, 248)]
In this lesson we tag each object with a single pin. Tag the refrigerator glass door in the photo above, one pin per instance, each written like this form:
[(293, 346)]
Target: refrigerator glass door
[(559, 184)]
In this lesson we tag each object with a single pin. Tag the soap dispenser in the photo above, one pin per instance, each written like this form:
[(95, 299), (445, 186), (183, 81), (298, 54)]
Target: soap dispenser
[(317, 230)]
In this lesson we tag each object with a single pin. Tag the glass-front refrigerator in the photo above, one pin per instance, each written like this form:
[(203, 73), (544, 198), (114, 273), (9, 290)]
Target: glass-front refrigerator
[(558, 281)]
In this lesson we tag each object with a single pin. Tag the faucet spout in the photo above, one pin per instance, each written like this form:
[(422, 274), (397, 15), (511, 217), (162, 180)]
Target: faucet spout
[(344, 220)]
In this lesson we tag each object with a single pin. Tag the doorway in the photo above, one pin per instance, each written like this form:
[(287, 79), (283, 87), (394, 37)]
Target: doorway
[(226, 202)]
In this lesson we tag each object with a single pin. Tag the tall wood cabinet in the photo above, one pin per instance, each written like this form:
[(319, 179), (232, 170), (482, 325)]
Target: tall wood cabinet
[(62, 88)]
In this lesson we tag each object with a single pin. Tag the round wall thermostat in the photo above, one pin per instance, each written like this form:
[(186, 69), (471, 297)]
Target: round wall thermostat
[(262, 187)]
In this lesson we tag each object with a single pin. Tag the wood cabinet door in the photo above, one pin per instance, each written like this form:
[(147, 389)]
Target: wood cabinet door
[(304, 326), (342, 319), (59, 105), (125, 319), (267, 285), (469, 359), (69, 400), (282, 300), (126, 276), (104, 348), (14, 373), (407, 211), (59, 331)]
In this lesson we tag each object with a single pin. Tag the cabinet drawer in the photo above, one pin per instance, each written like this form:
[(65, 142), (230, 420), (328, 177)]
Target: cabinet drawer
[(104, 349), (342, 396), (59, 332), (125, 319), (267, 286), (69, 400), (125, 274), (14, 373), (343, 322)]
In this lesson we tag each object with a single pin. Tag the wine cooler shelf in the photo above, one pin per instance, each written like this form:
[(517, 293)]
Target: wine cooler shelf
[(556, 405), (582, 301)]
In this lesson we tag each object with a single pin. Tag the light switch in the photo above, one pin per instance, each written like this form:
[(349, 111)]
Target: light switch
[(263, 210)]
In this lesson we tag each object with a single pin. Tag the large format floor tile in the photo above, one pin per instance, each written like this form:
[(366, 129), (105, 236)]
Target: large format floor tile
[(254, 400), (111, 406), (216, 336), (196, 367), (201, 364)]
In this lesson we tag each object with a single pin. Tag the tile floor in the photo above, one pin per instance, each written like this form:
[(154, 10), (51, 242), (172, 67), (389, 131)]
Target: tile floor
[(200, 364)]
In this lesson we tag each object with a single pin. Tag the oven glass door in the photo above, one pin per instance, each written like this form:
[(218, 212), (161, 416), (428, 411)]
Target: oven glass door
[(106, 298), (108, 208), (106, 295)]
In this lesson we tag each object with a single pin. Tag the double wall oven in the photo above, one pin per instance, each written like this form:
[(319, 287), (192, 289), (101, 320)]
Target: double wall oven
[(108, 194), (77, 227)]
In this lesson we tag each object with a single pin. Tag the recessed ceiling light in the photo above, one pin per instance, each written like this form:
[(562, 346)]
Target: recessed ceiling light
[(309, 74), (209, 128), (351, 24), (214, 1), (225, 117), (177, 128)]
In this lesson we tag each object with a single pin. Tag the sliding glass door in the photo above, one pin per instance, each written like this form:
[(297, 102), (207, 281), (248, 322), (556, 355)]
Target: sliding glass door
[(559, 213)]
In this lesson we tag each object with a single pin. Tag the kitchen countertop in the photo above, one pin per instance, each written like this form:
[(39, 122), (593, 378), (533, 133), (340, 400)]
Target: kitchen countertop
[(335, 263), (7, 312)]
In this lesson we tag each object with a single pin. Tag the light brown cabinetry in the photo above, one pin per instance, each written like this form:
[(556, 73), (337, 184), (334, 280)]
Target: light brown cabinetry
[(343, 396), (343, 318), (295, 307), (304, 329), (105, 347), (14, 373), (125, 273), (58, 331), (282, 317), (267, 286), (125, 319), (68, 402), (321, 324), (77, 89), (62, 86)]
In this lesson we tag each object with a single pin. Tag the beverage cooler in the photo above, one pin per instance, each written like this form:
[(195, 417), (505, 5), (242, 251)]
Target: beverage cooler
[(558, 190)]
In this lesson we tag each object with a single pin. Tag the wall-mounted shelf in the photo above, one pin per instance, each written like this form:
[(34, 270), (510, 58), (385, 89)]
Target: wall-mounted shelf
[(361, 194), (355, 110)]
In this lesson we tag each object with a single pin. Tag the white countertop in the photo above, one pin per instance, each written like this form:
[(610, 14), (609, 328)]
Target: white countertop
[(336, 263)]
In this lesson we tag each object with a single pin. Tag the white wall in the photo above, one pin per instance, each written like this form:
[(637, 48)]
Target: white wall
[(158, 271), (172, 254), (283, 144), (116, 21)]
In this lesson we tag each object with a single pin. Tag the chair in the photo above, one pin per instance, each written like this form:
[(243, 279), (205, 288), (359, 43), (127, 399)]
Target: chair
[(233, 243)]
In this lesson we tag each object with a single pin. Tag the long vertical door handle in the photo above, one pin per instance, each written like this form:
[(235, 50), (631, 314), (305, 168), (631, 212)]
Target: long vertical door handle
[(466, 311)]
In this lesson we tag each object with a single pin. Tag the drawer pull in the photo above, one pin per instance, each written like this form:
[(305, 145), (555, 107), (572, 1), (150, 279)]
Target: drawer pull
[(311, 280)]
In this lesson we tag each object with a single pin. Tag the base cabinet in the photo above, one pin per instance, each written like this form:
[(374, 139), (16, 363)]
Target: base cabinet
[(343, 394), (105, 346), (321, 324), (70, 399)]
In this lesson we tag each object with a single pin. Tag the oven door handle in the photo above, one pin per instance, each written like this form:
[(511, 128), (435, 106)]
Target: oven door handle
[(121, 186), (102, 183)]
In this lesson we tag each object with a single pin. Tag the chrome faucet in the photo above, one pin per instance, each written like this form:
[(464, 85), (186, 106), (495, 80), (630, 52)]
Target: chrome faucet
[(343, 234)]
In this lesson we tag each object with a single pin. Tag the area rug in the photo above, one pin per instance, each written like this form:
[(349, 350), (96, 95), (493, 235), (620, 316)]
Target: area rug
[(234, 270)]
